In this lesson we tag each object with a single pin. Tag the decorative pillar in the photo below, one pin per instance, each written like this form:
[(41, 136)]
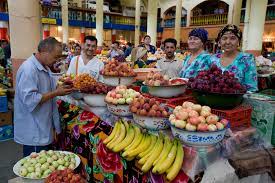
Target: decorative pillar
[(152, 20), (23, 17), (178, 21), (82, 34), (188, 18), (3, 30), (99, 22), (236, 14), (254, 28), (137, 23), (46, 31), (65, 21)]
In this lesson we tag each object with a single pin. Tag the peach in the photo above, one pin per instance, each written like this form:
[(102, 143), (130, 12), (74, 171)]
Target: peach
[(220, 126), (180, 124), (212, 119), (224, 122), (193, 113), (205, 113), (202, 127), (202, 119), (190, 127), (194, 120), (212, 127)]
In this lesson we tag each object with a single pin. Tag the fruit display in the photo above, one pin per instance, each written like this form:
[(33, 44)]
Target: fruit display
[(42, 164), (148, 107), (3, 91), (66, 176), (96, 88), (158, 153), (82, 80), (121, 95), (66, 79), (194, 117), (157, 79), (116, 68), (216, 81)]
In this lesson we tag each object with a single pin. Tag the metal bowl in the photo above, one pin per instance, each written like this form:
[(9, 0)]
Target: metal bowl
[(151, 123), (119, 110), (76, 95), (111, 80), (167, 91), (96, 100), (218, 100), (127, 81), (198, 138)]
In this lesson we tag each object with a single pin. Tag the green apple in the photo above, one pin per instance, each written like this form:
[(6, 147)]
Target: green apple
[(61, 167), (42, 160), (67, 158), (72, 166), (22, 161), (37, 165), (30, 169), (49, 160), (55, 164), (52, 168), (50, 152), (44, 167), (47, 172), (37, 174), (38, 169), (121, 101), (72, 156), (61, 161), (27, 164), (33, 161), (73, 160), (129, 100), (55, 157), (23, 171), (66, 164)]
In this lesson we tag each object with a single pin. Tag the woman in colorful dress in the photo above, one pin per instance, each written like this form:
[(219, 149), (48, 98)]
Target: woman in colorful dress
[(240, 63), (198, 58)]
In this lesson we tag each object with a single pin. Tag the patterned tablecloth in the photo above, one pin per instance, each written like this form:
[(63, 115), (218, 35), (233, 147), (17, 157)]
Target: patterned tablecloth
[(85, 127)]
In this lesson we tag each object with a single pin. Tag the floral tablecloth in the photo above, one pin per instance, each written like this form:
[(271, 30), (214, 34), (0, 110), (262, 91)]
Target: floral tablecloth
[(83, 133)]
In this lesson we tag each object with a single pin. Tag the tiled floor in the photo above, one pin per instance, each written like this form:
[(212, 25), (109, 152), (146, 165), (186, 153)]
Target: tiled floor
[(10, 153)]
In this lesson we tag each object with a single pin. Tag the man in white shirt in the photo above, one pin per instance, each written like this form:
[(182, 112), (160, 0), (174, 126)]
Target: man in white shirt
[(170, 65), (115, 51), (87, 62)]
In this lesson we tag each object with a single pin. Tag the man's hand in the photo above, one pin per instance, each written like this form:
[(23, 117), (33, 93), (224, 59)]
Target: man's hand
[(63, 90)]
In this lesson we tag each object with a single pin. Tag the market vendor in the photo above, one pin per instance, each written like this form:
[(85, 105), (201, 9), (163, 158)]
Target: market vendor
[(240, 63), (146, 44), (115, 50), (141, 58), (170, 65), (35, 110), (198, 58), (87, 62)]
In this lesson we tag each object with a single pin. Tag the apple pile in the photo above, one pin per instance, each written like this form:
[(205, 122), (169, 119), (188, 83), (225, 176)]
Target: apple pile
[(116, 68), (194, 117), (121, 95), (66, 176), (66, 79), (148, 107), (82, 80), (216, 81), (157, 79), (97, 88), (42, 164)]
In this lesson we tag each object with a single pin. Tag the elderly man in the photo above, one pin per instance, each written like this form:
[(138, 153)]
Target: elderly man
[(35, 111)]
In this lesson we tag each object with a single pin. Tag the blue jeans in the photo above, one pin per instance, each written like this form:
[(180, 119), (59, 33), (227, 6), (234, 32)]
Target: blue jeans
[(27, 150)]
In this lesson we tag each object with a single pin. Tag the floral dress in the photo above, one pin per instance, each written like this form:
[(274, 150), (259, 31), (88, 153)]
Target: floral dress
[(198, 64), (244, 68)]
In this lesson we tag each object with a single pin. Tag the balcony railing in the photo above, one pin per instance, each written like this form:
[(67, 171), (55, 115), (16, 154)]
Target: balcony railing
[(215, 19), (169, 23)]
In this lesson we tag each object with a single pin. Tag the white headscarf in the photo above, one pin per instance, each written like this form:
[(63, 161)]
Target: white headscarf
[(141, 52)]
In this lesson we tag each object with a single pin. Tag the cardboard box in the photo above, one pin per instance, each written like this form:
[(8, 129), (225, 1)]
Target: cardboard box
[(6, 118)]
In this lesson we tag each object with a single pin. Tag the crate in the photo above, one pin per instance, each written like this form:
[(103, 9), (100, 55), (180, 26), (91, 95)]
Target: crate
[(3, 103), (6, 132), (239, 117), (172, 101)]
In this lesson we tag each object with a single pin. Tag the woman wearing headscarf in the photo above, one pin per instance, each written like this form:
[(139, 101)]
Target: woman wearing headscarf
[(141, 57), (198, 58), (231, 59)]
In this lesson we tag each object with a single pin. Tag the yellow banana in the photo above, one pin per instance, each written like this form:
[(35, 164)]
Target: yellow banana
[(168, 160), (166, 148), (122, 134), (173, 172), (137, 139), (126, 124), (113, 134), (136, 142), (153, 142), (155, 153), (128, 139), (141, 147)]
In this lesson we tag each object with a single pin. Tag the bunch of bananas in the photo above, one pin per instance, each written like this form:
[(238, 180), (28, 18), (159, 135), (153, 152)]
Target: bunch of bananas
[(159, 153), (3, 92)]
